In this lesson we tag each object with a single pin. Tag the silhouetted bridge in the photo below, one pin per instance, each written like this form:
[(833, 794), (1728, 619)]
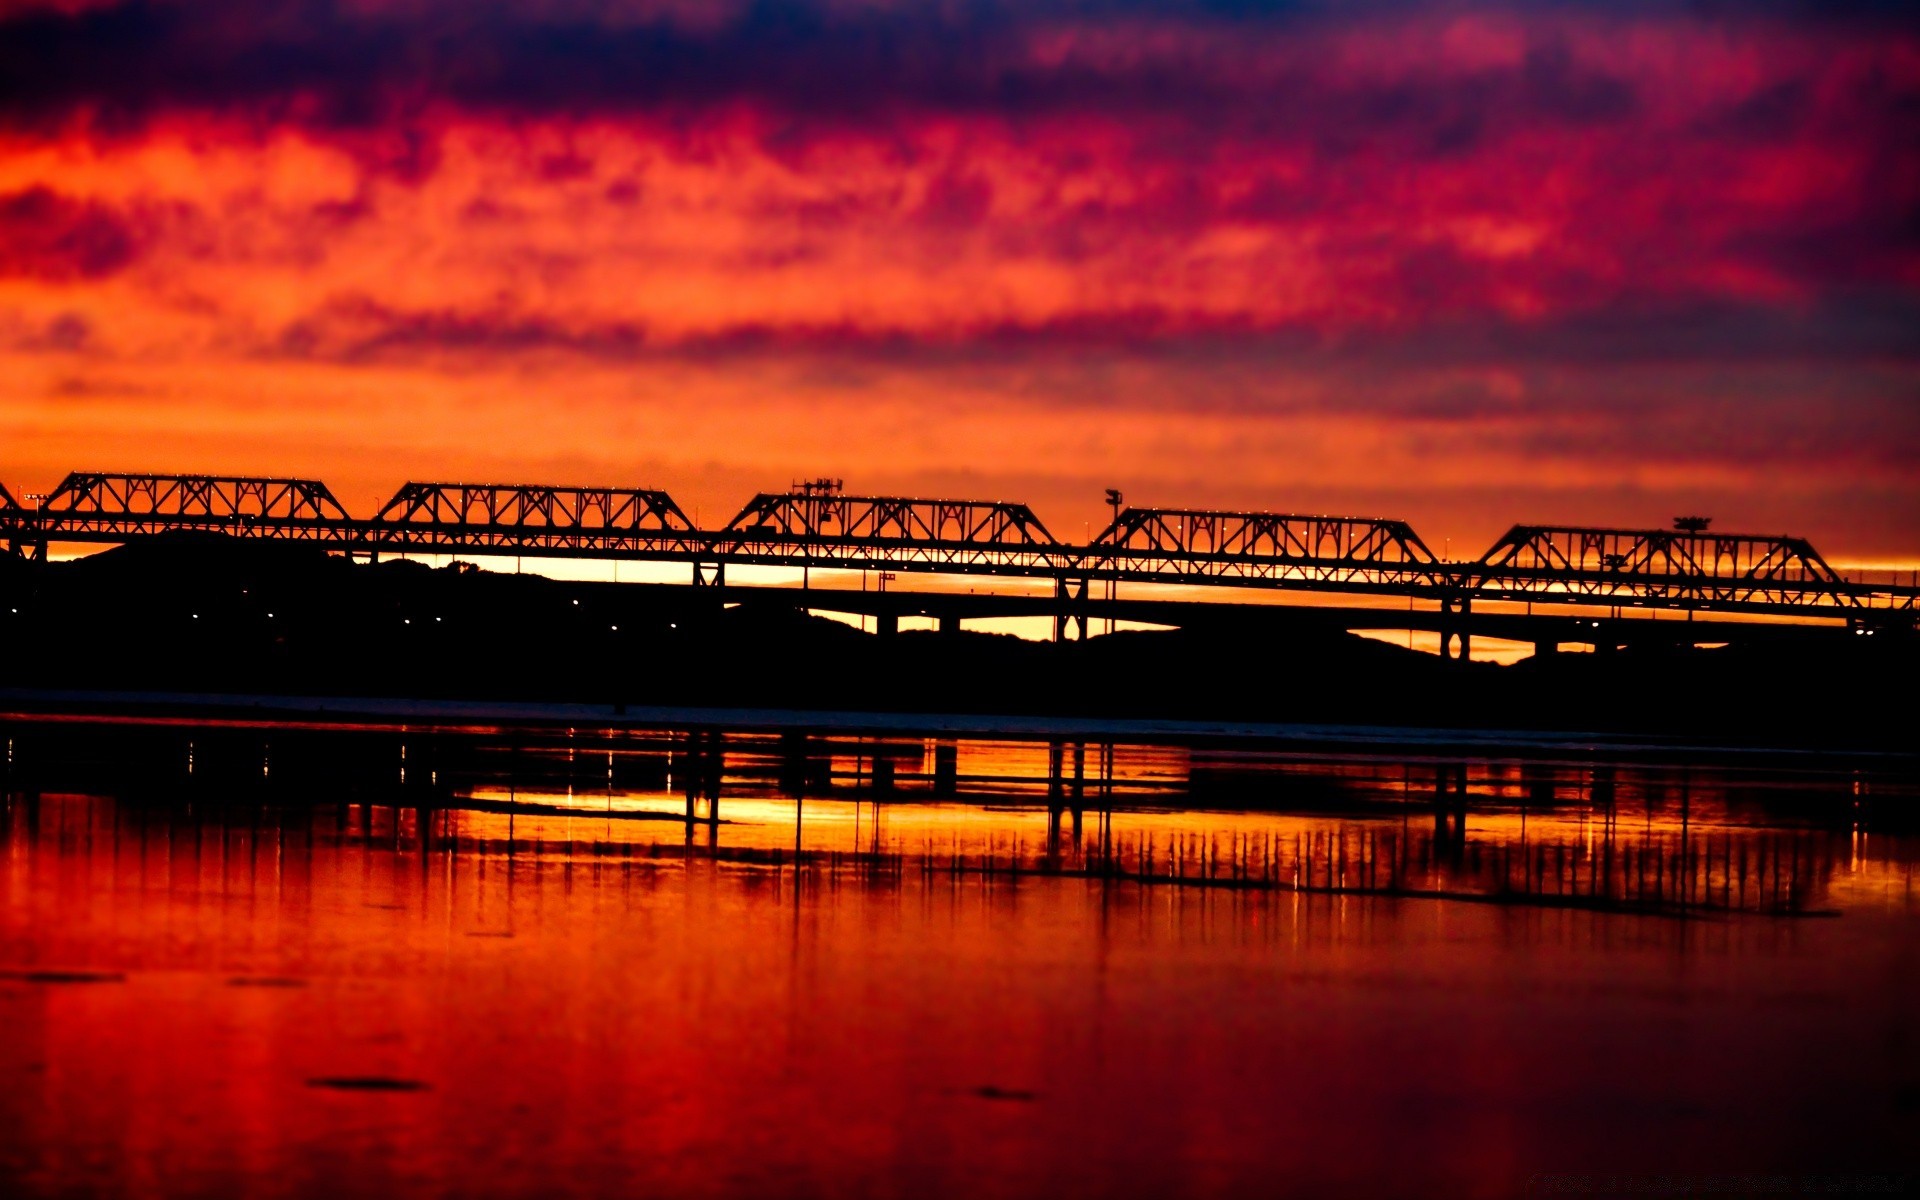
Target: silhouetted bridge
[(816, 527)]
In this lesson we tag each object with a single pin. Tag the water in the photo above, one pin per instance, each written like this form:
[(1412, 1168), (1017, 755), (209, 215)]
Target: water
[(306, 962)]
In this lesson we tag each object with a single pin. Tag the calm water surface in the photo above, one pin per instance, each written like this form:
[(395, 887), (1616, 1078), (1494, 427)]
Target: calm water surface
[(276, 962)]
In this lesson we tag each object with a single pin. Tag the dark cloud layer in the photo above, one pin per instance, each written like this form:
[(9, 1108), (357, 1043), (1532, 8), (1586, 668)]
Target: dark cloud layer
[(1855, 330), (1193, 87), (334, 66)]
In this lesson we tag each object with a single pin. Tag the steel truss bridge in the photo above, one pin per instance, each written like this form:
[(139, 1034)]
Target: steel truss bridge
[(815, 526)]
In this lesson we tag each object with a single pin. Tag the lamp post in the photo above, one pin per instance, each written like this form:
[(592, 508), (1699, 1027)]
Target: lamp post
[(1114, 500), (39, 500)]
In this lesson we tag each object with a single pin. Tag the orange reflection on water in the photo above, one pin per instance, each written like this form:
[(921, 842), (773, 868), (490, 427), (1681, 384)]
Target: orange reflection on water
[(927, 999)]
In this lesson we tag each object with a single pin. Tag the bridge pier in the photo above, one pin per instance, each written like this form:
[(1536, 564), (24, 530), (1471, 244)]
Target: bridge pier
[(946, 769), (1070, 599), (793, 764), (706, 763), (1450, 808), (1538, 780), (949, 623), (1454, 611), (28, 546)]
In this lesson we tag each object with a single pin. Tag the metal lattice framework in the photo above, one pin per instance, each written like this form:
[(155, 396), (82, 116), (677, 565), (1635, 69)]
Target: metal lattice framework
[(90, 506), (892, 533), (1695, 568), (12, 523), (815, 526), (1191, 545), (531, 517)]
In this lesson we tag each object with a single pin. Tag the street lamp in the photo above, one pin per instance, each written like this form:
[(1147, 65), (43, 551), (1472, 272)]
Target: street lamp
[(1114, 500), (39, 499)]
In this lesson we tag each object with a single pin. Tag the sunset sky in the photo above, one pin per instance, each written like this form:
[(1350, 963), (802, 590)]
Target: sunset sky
[(1463, 263)]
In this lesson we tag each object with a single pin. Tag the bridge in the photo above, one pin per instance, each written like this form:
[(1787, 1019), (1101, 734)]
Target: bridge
[(1583, 576)]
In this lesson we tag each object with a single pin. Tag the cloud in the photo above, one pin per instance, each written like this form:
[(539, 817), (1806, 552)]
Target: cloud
[(1404, 250), (1871, 334), (330, 65), (47, 236), (1252, 71)]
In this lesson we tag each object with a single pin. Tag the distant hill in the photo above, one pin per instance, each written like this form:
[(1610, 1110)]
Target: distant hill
[(206, 613)]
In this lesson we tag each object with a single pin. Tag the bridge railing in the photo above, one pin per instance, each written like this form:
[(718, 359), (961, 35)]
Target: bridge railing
[(891, 532), (531, 517), (1176, 545), (1657, 565)]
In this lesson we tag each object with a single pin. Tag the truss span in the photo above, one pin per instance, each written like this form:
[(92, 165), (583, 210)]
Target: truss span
[(1212, 546), (13, 522), (92, 506), (892, 533), (1640, 566), (528, 518), (814, 526)]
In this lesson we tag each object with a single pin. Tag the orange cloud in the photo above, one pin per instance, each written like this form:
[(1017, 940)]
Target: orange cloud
[(1467, 267)]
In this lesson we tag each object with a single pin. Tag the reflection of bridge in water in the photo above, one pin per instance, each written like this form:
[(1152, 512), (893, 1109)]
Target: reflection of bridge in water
[(1417, 844), (1539, 831), (1591, 578)]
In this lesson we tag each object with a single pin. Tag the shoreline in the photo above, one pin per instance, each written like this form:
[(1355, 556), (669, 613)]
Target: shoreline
[(128, 707)]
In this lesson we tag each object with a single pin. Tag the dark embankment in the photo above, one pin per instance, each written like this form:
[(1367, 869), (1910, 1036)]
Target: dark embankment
[(198, 614)]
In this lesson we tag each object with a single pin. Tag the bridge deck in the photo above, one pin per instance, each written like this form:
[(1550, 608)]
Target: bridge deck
[(812, 529)]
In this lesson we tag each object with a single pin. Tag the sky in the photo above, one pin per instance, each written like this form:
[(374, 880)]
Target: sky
[(1468, 264)]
